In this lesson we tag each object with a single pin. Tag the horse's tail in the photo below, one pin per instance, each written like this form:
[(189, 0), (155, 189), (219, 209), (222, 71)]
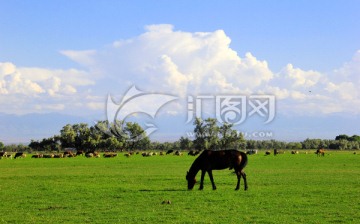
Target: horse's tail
[(244, 160)]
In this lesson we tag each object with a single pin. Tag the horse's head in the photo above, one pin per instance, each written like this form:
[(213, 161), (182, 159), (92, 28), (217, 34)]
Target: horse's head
[(191, 181)]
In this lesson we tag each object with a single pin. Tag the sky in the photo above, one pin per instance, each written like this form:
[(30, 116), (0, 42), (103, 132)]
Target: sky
[(75, 59)]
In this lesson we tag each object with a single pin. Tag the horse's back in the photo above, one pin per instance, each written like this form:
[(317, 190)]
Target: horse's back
[(222, 159)]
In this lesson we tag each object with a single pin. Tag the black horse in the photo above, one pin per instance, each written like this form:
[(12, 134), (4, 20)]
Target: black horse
[(217, 160)]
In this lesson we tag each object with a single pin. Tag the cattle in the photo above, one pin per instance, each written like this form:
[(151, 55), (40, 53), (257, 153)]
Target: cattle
[(169, 151), (89, 155), (19, 155), (178, 153), (80, 152), (48, 156), (69, 154), (252, 151), (267, 153), (193, 152), (126, 155), (147, 154), (294, 152), (95, 154), (112, 155), (59, 155), (3, 154), (37, 156), (8, 156)]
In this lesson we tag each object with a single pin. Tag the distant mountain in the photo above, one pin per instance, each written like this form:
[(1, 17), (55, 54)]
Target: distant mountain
[(23, 128)]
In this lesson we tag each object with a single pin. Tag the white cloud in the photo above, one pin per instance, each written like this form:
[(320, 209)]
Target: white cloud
[(182, 63), (24, 90), (165, 60), (177, 62), (12, 81)]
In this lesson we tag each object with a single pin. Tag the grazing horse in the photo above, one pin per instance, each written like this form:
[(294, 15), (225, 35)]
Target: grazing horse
[(320, 152), (217, 160)]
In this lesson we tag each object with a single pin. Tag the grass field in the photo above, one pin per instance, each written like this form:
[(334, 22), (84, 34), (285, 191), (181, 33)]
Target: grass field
[(286, 188)]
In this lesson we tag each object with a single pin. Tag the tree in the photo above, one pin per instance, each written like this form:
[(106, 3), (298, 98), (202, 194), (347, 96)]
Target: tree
[(67, 136), (342, 137), (83, 136), (135, 136), (185, 143), (199, 131), (1, 146), (355, 138), (208, 135), (230, 138)]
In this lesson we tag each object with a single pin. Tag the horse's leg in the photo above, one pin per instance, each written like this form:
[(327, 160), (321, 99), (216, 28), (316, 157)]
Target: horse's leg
[(212, 179), (243, 174), (238, 174), (202, 180)]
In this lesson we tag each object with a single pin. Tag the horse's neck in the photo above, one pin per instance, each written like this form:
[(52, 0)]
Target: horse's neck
[(194, 169)]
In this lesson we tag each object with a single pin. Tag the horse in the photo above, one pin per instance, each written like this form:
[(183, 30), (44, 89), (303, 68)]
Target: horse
[(320, 152), (217, 160)]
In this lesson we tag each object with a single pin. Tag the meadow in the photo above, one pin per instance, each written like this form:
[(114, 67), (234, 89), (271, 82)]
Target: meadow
[(285, 188)]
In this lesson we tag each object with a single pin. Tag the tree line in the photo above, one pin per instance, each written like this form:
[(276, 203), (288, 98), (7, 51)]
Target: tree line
[(129, 136)]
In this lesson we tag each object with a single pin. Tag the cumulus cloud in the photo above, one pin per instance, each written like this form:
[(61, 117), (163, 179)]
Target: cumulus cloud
[(12, 82), (177, 62), (24, 90), (165, 60), (190, 63)]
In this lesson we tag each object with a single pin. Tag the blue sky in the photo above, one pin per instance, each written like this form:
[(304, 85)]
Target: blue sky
[(65, 57)]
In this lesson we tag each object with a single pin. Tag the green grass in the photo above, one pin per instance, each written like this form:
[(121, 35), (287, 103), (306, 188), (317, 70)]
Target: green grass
[(282, 189)]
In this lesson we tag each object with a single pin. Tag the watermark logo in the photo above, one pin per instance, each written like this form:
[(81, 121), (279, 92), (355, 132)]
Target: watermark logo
[(233, 109), (134, 102)]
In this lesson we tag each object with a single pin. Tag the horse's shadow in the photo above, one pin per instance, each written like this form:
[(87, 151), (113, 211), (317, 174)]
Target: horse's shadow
[(161, 190)]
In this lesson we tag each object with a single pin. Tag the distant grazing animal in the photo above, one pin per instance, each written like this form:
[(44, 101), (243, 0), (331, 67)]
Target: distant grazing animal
[(169, 151), (267, 153), (37, 156), (193, 152), (5, 155), (294, 152), (80, 152), (146, 154), (9, 156), (320, 152), (178, 153), (275, 152), (48, 156), (19, 155), (59, 155), (217, 160), (69, 154), (112, 155), (95, 154), (252, 151), (89, 155)]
